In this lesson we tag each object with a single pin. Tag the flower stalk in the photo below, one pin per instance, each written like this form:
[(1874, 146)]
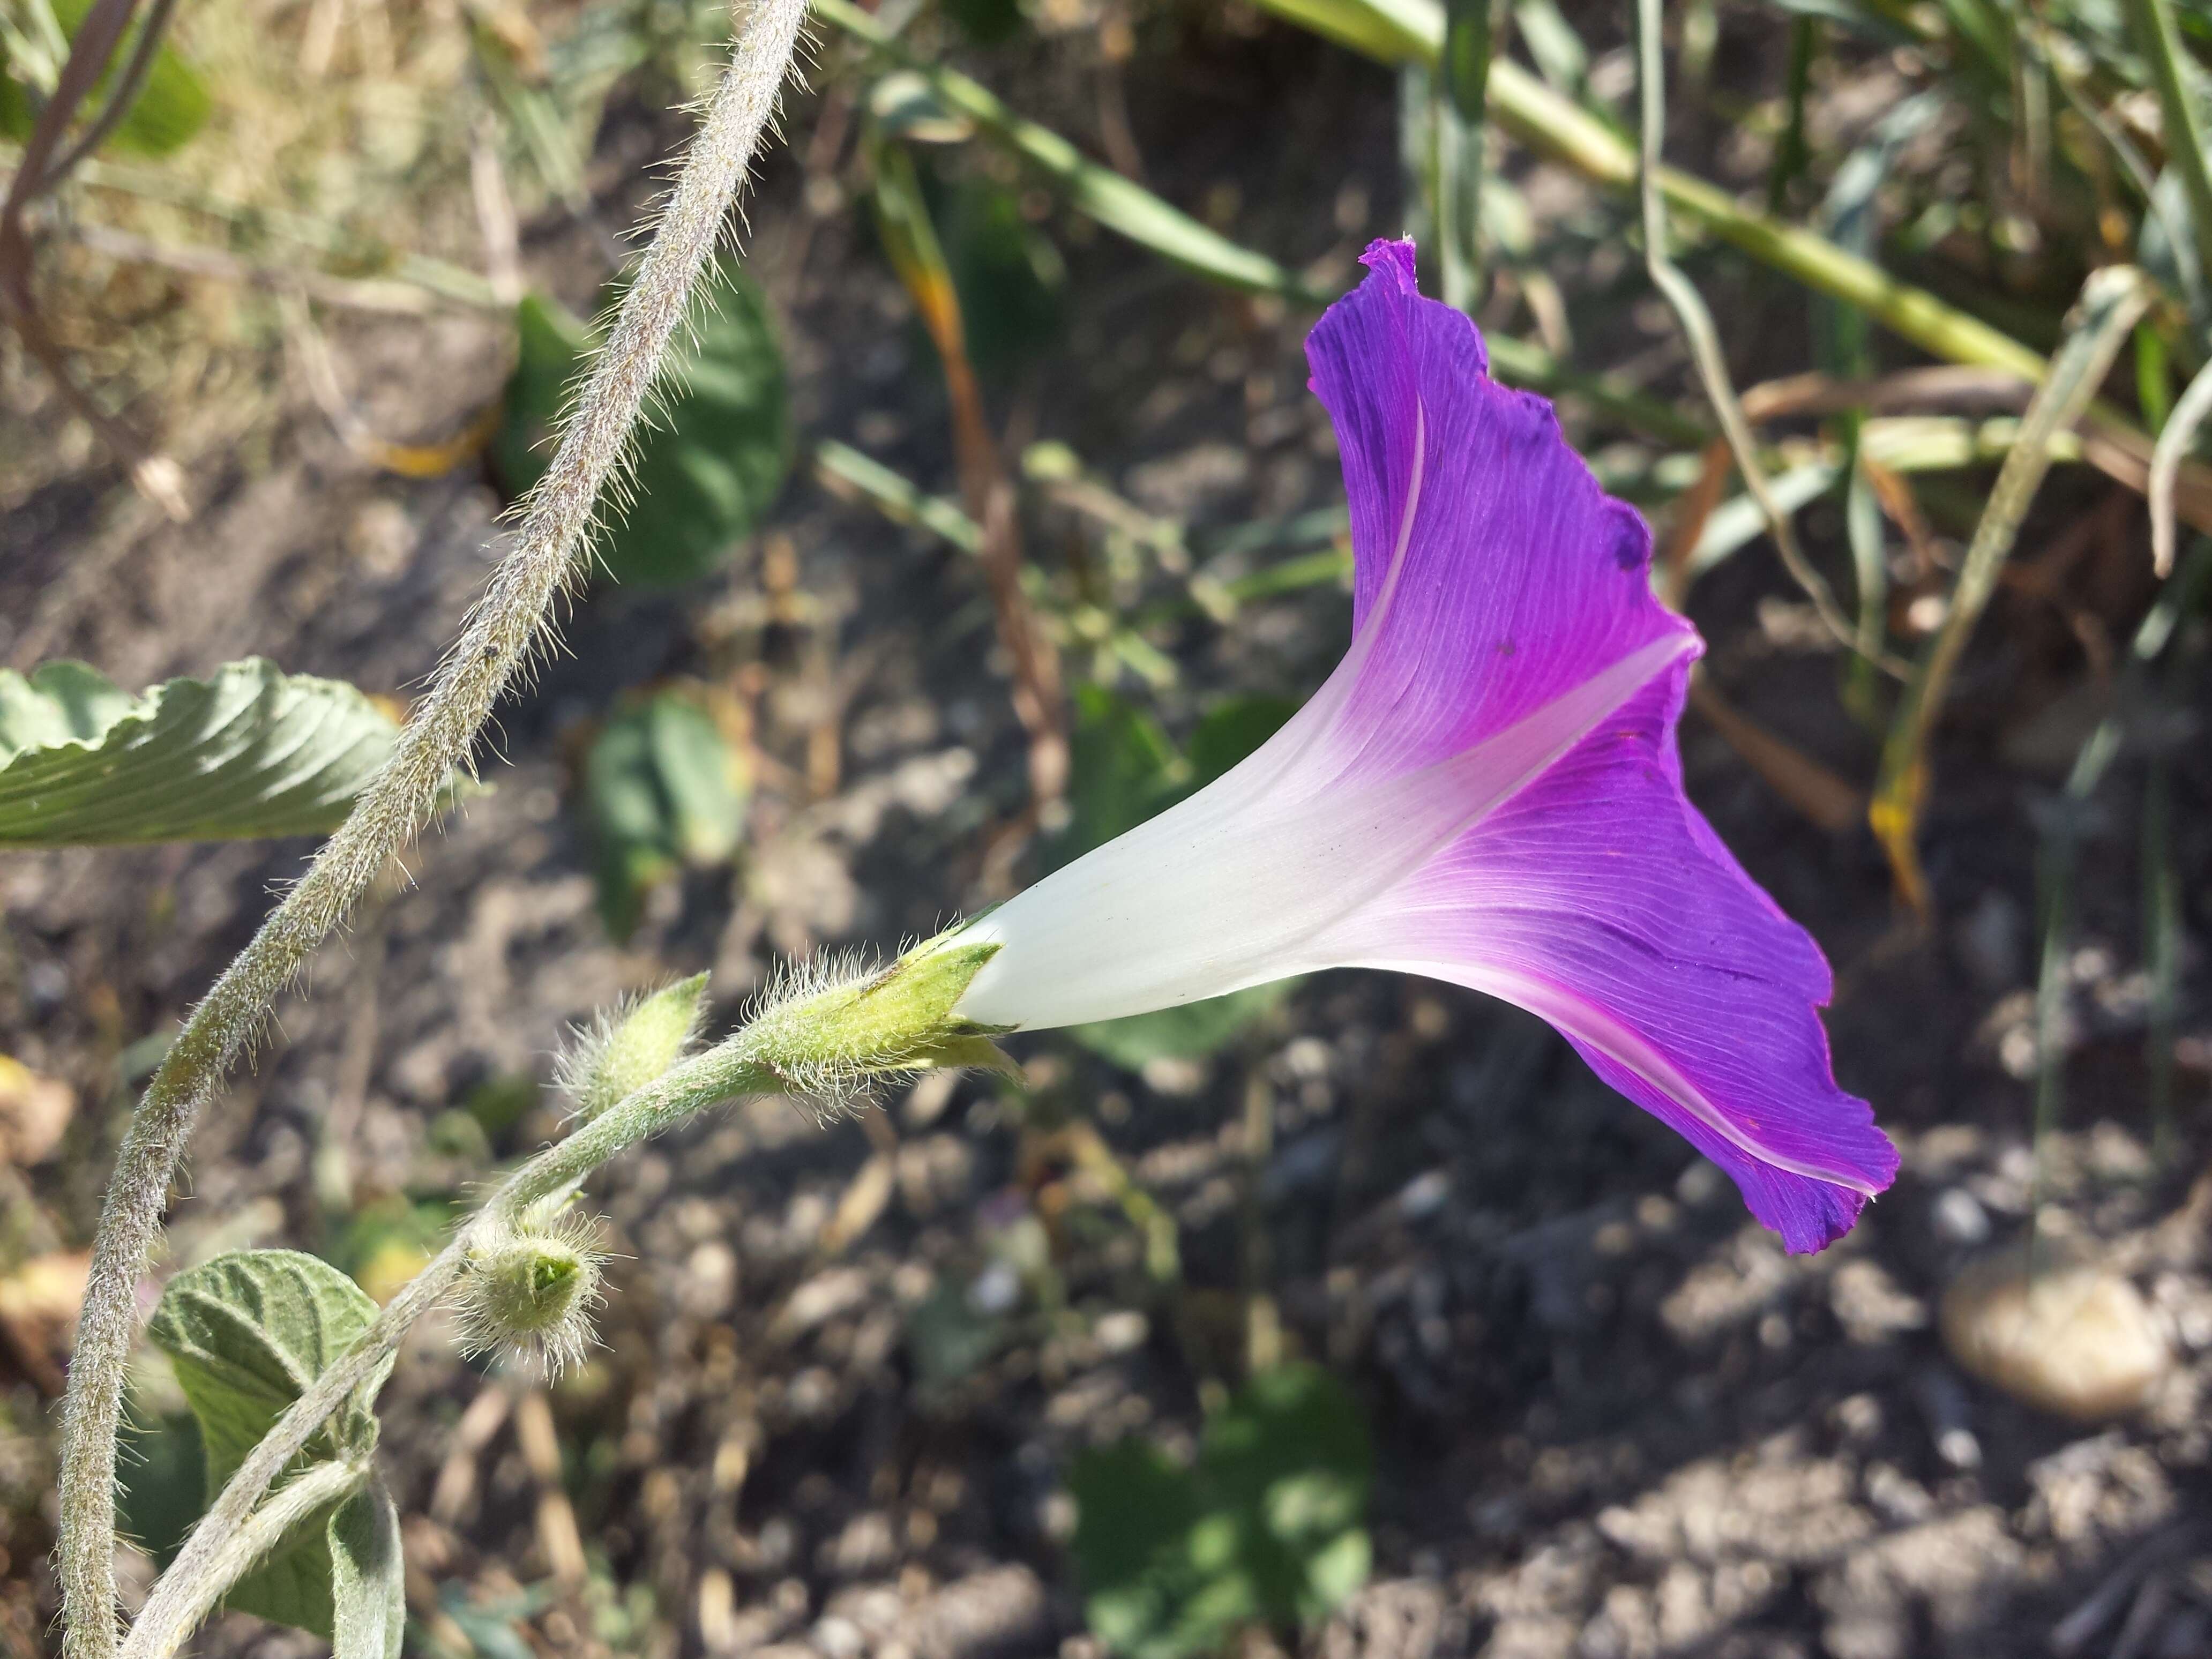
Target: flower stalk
[(719, 1074), (547, 553), (818, 1030)]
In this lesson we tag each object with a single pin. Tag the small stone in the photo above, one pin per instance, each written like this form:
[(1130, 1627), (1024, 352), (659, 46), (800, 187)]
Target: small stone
[(2074, 1340), (1990, 940), (1122, 1331), (1699, 1184), (1960, 1219), (1174, 1076), (34, 1110)]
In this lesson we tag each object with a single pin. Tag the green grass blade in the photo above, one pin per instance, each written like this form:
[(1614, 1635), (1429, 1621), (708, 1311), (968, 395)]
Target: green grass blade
[(846, 471), (2152, 23), (1134, 212), (1704, 340), (1469, 37), (1097, 192), (1395, 31)]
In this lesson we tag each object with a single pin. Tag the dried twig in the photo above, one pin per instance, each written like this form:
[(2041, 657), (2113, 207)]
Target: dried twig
[(128, 86), (158, 478)]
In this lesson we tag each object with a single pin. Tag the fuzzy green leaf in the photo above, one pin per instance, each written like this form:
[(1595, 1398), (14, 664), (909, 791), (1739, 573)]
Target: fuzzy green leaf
[(368, 1577), (246, 1333), (250, 751)]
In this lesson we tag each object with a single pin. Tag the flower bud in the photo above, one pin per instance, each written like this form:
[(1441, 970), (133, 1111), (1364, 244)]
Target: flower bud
[(531, 1291), (628, 1048), (832, 1031)]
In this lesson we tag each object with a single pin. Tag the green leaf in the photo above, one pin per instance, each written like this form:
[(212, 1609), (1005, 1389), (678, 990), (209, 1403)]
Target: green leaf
[(250, 751), (17, 118), (368, 1576), (1189, 1032), (171, 108), (663, 788), (246, 1333), (160, 1482), (1136, 1513), (1268, 1525), (985, 23), (1291, 1449), (713, 459), (1232, 729), (1009, 276), (550, 342), (1123, 769)]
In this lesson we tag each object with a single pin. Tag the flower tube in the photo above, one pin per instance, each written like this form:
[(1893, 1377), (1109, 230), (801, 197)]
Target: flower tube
[(1486, 790)]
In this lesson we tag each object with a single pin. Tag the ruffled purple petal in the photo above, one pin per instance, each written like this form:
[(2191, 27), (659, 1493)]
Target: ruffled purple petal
[(1486, 790), (1601, 899), (1491, 575)]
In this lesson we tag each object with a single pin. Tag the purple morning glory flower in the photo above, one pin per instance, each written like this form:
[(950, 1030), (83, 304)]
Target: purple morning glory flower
[(1485, 790)]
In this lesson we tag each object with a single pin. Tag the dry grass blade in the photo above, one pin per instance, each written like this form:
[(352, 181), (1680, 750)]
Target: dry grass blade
[(2173, 443), (1705, 347), (910, 239), (377, 296), (1942, 385), (2110, 302), (1819, 794), (1694, 509), (313, 354)]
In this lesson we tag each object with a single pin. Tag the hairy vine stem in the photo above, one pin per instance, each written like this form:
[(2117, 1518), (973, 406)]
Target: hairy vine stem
[(740, 1065), (324, 1484), (493, 643)]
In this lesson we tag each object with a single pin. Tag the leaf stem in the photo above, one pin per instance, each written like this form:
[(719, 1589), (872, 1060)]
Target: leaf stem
[(739, 1065), (493, 643), (161, 1631)]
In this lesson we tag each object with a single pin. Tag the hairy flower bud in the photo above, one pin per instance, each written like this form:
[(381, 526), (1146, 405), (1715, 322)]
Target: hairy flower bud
[(624, 1051), (531, 1291), (831, 1030)]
